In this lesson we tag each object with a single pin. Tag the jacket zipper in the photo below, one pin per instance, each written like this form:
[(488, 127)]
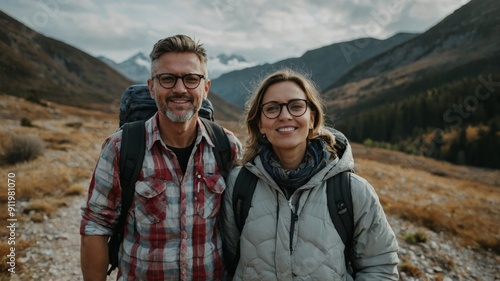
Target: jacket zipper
[(294, 218)]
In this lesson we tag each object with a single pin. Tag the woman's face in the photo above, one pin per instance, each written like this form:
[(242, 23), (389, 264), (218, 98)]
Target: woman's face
[(286, 133)]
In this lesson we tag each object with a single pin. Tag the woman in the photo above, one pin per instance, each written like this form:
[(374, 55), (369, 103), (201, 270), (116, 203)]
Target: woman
[(288, 234)]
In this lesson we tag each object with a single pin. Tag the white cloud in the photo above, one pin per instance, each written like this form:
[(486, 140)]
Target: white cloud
[(216, 68), (260, 30)]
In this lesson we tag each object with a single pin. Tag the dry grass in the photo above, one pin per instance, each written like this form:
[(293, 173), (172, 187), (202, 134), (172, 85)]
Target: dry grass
[(458, 205), (410, 269), (75, 190), (5, 250), (44, 206), (72, 140), (463, 201)]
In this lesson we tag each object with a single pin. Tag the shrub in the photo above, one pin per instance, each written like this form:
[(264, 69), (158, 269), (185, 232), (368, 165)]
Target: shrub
[(368, 142), (25, 122), (411, 269), (74, 190), (39, 207), (35, 99), (417, 237), (23, 148)]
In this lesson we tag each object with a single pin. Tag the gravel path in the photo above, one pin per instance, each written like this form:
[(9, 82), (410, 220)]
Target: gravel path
[(56, 255)]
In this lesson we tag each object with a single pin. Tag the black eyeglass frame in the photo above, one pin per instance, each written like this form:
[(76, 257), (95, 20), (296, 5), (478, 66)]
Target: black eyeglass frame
[(284, 104), (177, 77)]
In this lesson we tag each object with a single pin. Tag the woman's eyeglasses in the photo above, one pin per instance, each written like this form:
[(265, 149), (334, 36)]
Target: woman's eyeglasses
[(296, 108)]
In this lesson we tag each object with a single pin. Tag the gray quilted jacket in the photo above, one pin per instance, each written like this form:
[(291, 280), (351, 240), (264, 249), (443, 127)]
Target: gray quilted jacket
[(271, 249)]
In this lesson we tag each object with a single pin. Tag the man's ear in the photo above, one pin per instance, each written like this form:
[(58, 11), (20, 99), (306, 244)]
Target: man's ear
[(207, 88), (150, 87)]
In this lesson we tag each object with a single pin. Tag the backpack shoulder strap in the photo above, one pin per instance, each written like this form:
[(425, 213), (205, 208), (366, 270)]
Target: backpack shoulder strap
[(339, 199), (244, 188), (222, 149), (132, 151)]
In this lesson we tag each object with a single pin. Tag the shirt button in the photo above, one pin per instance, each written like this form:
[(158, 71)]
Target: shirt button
[(184, 235)]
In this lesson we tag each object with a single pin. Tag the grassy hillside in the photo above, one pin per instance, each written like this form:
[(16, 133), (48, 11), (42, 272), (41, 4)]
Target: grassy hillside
[(39, 67)]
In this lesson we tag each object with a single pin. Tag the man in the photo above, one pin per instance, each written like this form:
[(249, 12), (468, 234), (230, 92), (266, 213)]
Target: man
[(171, 231)]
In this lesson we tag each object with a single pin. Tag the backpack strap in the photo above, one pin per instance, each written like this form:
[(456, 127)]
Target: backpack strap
[(222, 153), (339, 198), (244, 188), (222, 149), (133, 147)]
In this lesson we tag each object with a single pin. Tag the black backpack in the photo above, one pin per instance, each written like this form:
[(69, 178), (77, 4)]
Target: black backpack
[(339, 200), (133, 147)]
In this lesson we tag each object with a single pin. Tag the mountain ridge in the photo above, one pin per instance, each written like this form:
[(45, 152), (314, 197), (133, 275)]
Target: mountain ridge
[(38, 67), (136, 68), (432, 95), (324, 65)]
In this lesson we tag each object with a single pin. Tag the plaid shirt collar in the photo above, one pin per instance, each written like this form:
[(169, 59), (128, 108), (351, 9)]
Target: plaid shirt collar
[(153, 130)]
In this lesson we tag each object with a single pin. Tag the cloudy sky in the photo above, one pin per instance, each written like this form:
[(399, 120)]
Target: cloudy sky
[(259, 30)]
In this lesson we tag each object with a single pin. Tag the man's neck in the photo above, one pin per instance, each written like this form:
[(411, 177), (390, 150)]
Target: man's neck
[(178, 134)]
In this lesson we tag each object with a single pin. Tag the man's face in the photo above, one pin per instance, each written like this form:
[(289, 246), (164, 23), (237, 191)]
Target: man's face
[(178, 103)]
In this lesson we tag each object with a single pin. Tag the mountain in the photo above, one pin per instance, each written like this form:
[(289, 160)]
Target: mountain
[(325, 65), (37, 67), (462, 45), (136, 68), (436, 94)]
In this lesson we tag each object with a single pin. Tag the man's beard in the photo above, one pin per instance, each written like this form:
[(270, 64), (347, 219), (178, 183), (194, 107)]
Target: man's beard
[(170, 108), (174, 117), (172, 111)]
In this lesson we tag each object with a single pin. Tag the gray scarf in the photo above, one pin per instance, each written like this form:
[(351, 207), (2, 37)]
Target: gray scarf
[(315, 159)]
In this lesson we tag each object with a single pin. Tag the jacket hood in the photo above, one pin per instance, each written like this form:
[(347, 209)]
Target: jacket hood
[(344, 153)]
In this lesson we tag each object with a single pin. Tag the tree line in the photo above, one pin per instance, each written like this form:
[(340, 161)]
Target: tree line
[(458, 122)]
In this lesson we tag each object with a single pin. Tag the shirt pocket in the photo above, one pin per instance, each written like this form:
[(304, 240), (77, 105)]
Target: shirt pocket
[(151, 202), (213, 186)]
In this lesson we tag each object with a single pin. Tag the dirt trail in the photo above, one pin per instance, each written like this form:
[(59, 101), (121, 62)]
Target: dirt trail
[(55, 254)]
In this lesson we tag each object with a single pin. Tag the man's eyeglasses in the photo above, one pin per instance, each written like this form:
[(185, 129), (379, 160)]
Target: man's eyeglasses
[(168, 80), (296, 108)]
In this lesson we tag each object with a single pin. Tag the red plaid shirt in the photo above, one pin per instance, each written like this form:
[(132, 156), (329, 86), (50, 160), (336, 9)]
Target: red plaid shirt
[(171, 231)]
